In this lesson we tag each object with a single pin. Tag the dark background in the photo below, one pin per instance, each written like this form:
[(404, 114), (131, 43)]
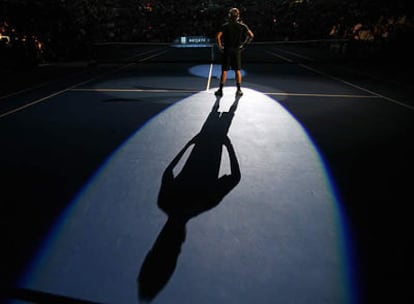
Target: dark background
[(67, 29)]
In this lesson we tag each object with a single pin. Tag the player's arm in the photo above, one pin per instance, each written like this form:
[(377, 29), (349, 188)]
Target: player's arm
[(249, 37), (219, 41)]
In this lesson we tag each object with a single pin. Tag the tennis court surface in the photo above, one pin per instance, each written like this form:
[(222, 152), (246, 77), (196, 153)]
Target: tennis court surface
[(128, 181)]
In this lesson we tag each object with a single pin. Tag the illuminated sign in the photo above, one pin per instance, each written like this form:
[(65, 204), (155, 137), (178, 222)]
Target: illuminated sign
[(192, 41)]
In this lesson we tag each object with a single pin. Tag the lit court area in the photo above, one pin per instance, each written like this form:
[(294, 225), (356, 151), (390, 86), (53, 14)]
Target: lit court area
[(131, 182)]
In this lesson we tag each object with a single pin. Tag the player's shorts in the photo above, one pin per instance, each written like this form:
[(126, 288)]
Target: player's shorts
[(231, 59)]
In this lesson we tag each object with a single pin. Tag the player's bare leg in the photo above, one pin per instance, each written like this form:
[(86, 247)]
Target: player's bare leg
[(238, 83), (223, 79)]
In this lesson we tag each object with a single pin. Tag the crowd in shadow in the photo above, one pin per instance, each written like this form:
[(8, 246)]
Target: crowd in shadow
[(65, 30), (197, 188)]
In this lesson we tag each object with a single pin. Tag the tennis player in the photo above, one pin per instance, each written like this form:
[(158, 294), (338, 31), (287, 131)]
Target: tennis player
[(232, 37)]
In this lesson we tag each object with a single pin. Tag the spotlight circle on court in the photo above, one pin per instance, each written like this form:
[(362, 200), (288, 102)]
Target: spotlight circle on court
[(279, 234), (203, 70)]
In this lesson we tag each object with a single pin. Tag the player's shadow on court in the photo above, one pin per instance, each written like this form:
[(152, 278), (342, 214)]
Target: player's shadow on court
[(195, 189)]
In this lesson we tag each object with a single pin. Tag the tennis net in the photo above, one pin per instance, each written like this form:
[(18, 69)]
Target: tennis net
[(205, 51)]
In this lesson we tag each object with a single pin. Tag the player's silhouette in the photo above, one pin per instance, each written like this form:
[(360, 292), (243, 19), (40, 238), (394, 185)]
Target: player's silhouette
[(194, 190)]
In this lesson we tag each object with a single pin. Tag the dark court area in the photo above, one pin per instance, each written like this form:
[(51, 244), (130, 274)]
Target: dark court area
[(126, 179)]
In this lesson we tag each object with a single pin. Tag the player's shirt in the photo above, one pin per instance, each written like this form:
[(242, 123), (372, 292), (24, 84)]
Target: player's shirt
[(234, 34)]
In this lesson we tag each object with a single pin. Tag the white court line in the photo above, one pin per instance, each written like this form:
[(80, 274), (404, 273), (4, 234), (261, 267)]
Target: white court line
[(152, 56), (209, 77), (322, 95), (196, 91), (134, 90), (296, 54), (210, 72), (358, 87), (27, 89), (344, 81), (280, 56), (43, 98), (38, 86), (51, 81), (75, 85)]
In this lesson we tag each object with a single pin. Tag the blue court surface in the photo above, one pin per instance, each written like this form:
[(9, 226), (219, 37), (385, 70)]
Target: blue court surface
[(131, 182)]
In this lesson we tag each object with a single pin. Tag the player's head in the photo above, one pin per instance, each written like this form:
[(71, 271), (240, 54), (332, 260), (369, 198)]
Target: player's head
[(234, 14)]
